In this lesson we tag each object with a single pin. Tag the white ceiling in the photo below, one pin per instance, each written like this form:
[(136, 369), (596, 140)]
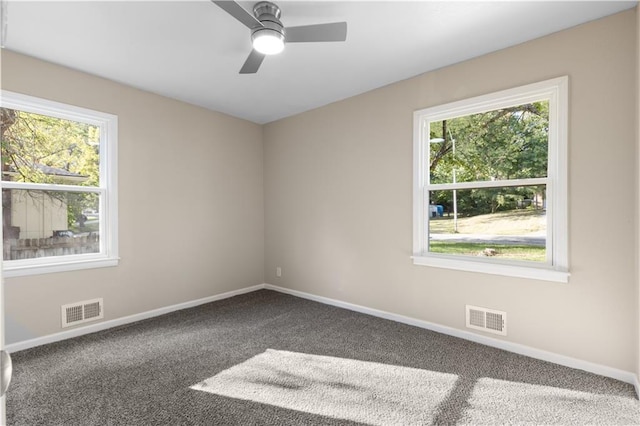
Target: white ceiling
[(193, 50)]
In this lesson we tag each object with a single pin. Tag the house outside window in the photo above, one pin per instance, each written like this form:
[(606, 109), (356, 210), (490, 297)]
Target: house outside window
[(490, 183), (59, 186)]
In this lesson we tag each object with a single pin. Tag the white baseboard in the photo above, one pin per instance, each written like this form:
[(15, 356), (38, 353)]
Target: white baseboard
[(602, 370), (56, 337)]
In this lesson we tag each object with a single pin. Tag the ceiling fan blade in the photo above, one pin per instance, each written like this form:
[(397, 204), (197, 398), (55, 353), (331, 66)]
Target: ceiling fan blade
[(336, 31), (238, 12), (252, 63)]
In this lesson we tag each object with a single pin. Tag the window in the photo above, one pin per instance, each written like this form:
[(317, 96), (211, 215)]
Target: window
[(490, 183), (59, 186)]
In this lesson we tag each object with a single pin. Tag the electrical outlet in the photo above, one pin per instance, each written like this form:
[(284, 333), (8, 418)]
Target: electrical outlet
[(278, 272)]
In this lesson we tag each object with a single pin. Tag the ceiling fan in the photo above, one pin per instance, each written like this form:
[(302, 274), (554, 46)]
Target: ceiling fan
[(268, 35)]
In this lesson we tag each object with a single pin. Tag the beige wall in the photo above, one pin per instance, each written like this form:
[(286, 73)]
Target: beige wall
[(338, 199), (190, 203), (638, 189), (337, 204)]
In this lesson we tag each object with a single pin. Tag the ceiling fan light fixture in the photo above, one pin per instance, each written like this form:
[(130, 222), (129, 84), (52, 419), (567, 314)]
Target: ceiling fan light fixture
[(268, 41)]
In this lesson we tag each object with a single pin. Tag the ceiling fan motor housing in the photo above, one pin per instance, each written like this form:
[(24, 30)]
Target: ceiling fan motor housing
[(268, 14)]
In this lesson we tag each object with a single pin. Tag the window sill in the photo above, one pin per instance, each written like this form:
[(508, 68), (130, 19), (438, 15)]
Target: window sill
[(471, 265), (14, 270)]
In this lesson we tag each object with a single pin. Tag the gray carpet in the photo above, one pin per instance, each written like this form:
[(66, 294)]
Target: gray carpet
[(265, 358)]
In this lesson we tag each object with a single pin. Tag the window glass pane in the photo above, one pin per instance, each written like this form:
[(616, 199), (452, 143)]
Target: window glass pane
[(509, 143), (502, 223), (41, 149), (49, 223)]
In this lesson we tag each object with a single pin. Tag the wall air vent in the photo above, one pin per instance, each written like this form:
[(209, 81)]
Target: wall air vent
[(488, 320), (81, 312)]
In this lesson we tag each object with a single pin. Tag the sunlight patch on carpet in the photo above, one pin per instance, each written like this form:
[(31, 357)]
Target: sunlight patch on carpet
[(367, 392), (503, 402)]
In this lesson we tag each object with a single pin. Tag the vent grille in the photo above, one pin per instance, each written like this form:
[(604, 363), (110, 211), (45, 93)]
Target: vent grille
[(81, 312), (488, 320), (92, 310)]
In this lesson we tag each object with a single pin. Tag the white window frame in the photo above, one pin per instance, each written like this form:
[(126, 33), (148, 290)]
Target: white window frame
[(556, 268), (108, 189)]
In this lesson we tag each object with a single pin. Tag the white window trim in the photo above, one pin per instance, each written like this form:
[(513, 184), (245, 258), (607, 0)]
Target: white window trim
[(557, 266), (108, 124)]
